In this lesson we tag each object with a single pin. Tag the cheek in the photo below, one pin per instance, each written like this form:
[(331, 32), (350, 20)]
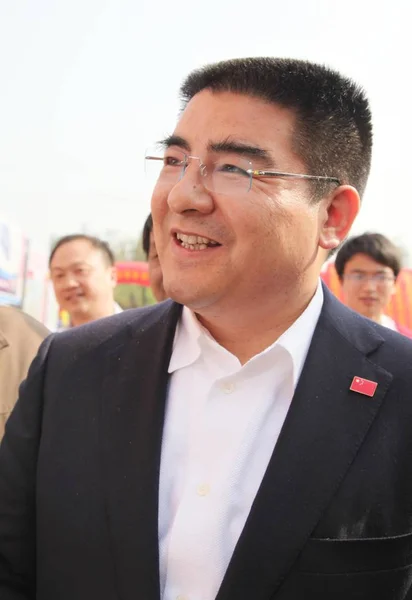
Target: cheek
[(350, 293), (159, 210), (350, 296), (60, 294), (385, 296), (159, 206), (89, 286)]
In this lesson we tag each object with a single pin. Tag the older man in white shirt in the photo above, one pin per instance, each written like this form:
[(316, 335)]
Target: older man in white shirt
[(249, 438)]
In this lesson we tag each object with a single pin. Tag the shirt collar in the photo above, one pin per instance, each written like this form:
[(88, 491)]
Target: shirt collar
[(295, 340), (117, 309), (388, 322), (186, 346)]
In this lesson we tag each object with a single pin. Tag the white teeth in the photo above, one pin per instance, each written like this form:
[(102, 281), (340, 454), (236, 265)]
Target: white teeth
[(195, 241), (194, 246)]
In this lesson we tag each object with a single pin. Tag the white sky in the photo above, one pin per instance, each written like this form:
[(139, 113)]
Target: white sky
[(87, 85)]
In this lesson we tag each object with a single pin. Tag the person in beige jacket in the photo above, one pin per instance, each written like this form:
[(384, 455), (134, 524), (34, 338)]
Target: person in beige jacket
[(20, 337)]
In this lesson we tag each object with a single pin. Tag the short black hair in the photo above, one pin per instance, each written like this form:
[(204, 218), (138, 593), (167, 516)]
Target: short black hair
[(376, 246), (93, 241), (147, 230), (333, 132)]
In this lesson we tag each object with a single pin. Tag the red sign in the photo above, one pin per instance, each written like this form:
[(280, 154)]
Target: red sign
[(133, 272)]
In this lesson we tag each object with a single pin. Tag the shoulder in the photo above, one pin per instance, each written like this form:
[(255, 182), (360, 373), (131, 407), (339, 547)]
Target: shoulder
[(17, 326), (77, 355), (381, 344), (110, 331), (404, 331)]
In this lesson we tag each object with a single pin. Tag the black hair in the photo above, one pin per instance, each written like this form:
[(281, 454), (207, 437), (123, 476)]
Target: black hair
[(147, 230), (333, 133), (93, 241), (376, 246)]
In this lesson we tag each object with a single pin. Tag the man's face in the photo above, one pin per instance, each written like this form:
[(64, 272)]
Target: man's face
[(367, 286), (83, 281), (266, 240), (155, 271)]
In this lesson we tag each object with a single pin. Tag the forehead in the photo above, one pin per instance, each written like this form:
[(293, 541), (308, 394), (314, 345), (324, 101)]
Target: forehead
[(363, 262), (75, 252), (216, 116)]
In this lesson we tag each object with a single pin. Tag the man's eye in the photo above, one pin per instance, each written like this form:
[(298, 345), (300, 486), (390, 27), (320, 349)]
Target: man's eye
[(171, 161), (232, 169)]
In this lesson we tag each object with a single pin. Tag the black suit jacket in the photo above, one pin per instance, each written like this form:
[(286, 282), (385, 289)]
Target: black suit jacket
[(79, 469)]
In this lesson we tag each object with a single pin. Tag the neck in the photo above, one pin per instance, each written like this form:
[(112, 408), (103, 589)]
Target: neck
[(377, 318), (107, 310), (248, 332)]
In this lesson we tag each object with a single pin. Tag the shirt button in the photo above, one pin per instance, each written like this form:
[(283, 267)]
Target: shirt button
[(228, 388), (203, 489)]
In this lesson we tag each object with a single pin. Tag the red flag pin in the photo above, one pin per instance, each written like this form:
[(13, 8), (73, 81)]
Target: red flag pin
[(363, 386)]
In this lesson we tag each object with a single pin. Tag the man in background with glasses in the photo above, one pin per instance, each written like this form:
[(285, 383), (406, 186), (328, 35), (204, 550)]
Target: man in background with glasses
[(368, 266), (251, 437)]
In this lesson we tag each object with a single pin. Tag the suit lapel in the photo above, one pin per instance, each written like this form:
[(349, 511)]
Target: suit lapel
[(134, 394), (322, 434)]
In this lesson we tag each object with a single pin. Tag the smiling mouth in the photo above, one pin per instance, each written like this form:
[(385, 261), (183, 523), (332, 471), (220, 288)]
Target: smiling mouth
[(195, 242), (72, 297)]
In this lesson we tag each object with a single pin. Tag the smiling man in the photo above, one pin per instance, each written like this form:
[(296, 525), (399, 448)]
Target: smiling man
[(83, 274), (249, 438)]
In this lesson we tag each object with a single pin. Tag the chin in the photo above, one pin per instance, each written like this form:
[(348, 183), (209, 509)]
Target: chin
[(192, 299)]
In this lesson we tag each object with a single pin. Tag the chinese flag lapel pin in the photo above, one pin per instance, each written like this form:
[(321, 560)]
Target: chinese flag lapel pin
[(363, 386)]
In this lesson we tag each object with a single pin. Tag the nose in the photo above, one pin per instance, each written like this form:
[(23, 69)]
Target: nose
[(369, 284), (189, 193), (69, 282)]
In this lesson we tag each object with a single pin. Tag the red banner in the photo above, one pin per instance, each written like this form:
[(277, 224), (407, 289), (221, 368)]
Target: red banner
[(133, 272)]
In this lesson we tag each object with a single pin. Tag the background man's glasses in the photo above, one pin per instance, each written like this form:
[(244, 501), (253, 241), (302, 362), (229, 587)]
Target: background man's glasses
[(224, 174), (377, 278)]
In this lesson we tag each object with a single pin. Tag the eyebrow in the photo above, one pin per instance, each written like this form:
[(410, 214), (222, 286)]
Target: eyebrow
[(241, 149), (228, 145), (363, 272), (76, 264), (174, 140)]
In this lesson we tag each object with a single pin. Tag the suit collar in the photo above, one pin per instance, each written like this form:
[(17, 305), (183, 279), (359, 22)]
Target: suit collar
[(324, 430), (134, 394), (359, 331), (192, 340)]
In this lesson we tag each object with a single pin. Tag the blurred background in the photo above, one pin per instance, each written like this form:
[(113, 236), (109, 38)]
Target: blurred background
[(87, 86)]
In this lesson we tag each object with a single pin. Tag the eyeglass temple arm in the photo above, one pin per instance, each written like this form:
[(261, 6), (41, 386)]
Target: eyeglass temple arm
[(294, 176)]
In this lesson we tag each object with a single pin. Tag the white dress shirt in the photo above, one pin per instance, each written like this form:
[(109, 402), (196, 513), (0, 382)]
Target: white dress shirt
[(388, 322), (222, 424)]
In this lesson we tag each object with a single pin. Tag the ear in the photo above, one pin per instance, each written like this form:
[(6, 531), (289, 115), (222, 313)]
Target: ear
[(339, 212), (113, 276)]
